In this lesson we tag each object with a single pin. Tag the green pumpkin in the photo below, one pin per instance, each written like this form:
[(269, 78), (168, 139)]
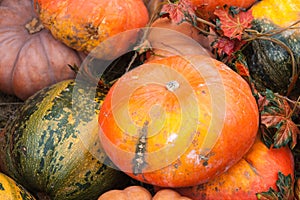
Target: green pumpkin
[(270, 64), (11, 190), (52, 146)]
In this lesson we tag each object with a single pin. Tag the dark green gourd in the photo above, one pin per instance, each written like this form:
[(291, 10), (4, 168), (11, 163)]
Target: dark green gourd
[(270, 56)]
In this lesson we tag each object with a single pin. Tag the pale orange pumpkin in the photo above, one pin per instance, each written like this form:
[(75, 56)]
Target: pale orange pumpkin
[(129, 193), (30, 57), (140, 193), (178, 121), (168, 194)]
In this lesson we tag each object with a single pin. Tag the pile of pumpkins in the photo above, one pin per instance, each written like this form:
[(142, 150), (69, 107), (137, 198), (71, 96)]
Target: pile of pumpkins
[(179, 125)]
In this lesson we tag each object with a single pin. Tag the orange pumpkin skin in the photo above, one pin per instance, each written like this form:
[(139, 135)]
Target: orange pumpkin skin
[(192, 160), (255, 173), (206, 8), (167, 44), (83, 25), (33, 60), (184, 27)]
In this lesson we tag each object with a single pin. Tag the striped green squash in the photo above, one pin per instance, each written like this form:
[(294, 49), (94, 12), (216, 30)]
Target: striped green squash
[(274, 58), (52, 145), (269, 63), (10, 190)]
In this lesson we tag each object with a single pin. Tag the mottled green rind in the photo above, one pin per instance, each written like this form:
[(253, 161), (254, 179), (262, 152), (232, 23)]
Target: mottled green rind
[(269, 63), (43, 147)]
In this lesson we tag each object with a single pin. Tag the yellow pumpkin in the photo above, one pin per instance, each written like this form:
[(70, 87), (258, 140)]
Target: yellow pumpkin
[(11, 190)]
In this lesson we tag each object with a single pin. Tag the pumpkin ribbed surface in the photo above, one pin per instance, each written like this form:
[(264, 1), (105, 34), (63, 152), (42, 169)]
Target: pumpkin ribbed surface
[(83, 25), (31, 58), (43, 147), (166, 123), (270, 62)]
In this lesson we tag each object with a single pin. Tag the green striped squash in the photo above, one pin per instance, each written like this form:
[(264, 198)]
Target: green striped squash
[(52, 145), (274, 58), (10, 190)]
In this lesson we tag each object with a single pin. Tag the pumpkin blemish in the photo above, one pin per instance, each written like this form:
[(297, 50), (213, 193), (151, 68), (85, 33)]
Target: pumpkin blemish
[(139, 159)]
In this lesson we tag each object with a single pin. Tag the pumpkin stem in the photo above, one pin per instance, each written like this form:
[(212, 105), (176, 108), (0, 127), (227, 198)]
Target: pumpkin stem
[(34, 26), (172, 85)]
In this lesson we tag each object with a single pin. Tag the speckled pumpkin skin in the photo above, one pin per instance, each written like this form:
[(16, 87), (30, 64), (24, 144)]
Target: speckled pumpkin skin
[(256, 172), (136, 151), (10, 190), (42, 148), (82, 25), (269, 63)]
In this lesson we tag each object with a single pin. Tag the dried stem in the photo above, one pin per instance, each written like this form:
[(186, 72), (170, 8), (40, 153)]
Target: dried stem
[(276, 31), (295, 103), (11, 103), (206, 22), (204, 31), (294, 107)]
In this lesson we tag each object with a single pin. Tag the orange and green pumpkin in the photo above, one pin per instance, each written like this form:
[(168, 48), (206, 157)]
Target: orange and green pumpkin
[(52, 146), (83, 25), (11, 190)]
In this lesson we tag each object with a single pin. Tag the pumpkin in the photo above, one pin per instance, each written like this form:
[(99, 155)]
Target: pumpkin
[(52, 146), (184, 28), (129, 193), (256, 172), (178, 121), (270, 63), (31, 58), (10, 190), (140, 193), (83, 25), (166, 194), (168, 38), (206, 8)]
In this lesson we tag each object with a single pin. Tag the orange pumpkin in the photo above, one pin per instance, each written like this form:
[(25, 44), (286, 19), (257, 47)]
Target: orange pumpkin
[(206, 8), (255, 173), (184, 28), (182, 39), (83, 25), (178, 121)]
